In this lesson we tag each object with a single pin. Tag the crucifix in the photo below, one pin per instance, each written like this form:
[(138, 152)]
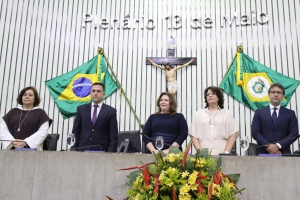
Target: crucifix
[(165, 63)]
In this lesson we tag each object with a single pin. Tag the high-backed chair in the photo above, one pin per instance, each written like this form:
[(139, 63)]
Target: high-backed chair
[(251, 151), (50, 143), (129, 141)]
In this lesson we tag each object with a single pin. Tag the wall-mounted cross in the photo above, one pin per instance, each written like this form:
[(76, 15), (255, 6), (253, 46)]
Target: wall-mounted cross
[(167, 63)]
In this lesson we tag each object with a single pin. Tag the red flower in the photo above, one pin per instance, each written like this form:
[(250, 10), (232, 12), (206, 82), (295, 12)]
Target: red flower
[(210, 188), (185, 154), (217, 177), (200, 189), (140, 167), (200, 177), (146, 175), (157, 182), (174, 196)]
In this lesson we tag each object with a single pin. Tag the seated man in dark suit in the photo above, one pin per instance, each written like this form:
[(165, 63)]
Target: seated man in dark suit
[(274, 126), (95, 126)]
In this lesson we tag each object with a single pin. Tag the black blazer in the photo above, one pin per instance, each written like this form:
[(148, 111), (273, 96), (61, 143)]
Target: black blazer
[(264, 132), (103, 133)]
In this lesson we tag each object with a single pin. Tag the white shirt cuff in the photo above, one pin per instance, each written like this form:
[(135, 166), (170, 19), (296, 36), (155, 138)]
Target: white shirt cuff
[(279, 146)]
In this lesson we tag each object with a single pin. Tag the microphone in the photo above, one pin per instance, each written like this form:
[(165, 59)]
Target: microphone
[(266, 145), (97, 145), (71, 142), (8, 140)]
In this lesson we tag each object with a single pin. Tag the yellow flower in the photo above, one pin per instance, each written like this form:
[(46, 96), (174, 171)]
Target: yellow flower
[(171, 157), (228, 185), (169, 182), (153, 180), (172, 175), (138, 180), (162, 175), (216, 189), (193, 177), (177, 155), (185, 189), (171, 170), (184, 174), (194, 187), (185, 196), (149, 187), (137, 197)]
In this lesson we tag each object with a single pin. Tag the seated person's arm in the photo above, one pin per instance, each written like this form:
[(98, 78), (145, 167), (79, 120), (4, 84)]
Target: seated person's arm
[(38, 137), (5, 135)]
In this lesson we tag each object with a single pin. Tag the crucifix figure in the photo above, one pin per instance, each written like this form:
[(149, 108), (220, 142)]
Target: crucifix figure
[(167, 62)]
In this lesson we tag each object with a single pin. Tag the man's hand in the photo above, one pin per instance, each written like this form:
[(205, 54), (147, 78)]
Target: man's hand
[(278, 152), (272, 149), (148, 59), (193, 59)]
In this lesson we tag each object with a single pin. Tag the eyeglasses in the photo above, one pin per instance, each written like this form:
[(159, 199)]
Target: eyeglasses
[(274, 92), (208, 94)]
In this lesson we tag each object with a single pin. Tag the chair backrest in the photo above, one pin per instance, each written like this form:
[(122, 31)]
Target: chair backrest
[(134, 139), (251, 151), (144, 148), (50, 143)]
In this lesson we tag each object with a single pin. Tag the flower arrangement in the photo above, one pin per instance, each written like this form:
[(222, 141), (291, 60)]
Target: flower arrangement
[(182, 176)]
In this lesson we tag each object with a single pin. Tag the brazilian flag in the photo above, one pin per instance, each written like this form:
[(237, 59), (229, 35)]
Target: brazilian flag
[(72, 89), (248, 81)]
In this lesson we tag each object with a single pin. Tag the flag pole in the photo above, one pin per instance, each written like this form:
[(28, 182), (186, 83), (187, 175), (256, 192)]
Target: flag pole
[(101, 51), (239, 48)]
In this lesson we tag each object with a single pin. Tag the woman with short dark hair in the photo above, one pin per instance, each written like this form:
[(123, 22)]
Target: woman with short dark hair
[(165, 122), (27, 124), (214, 127)]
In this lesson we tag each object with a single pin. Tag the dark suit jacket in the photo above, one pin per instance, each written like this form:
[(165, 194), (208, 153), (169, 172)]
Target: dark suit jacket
[(264, 132), (103, 133)]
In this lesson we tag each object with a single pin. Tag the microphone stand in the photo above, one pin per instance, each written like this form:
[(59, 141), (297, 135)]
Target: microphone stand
[(85, 147), (12, 140), (153, 139)]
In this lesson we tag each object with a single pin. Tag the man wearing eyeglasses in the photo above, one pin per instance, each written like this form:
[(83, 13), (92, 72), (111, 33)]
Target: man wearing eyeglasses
[(95, 126), (274, 127)]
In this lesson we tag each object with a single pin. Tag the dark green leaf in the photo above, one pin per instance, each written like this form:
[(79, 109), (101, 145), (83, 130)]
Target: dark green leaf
[(132, 176), (234, 177)]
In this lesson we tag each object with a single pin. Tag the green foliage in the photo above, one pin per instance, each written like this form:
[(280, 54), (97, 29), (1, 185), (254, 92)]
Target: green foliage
[(182, 176), (234, 177)]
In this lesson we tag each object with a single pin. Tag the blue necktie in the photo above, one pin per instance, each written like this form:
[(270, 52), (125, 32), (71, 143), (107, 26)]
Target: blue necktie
[(94, 114), (274, 115)]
